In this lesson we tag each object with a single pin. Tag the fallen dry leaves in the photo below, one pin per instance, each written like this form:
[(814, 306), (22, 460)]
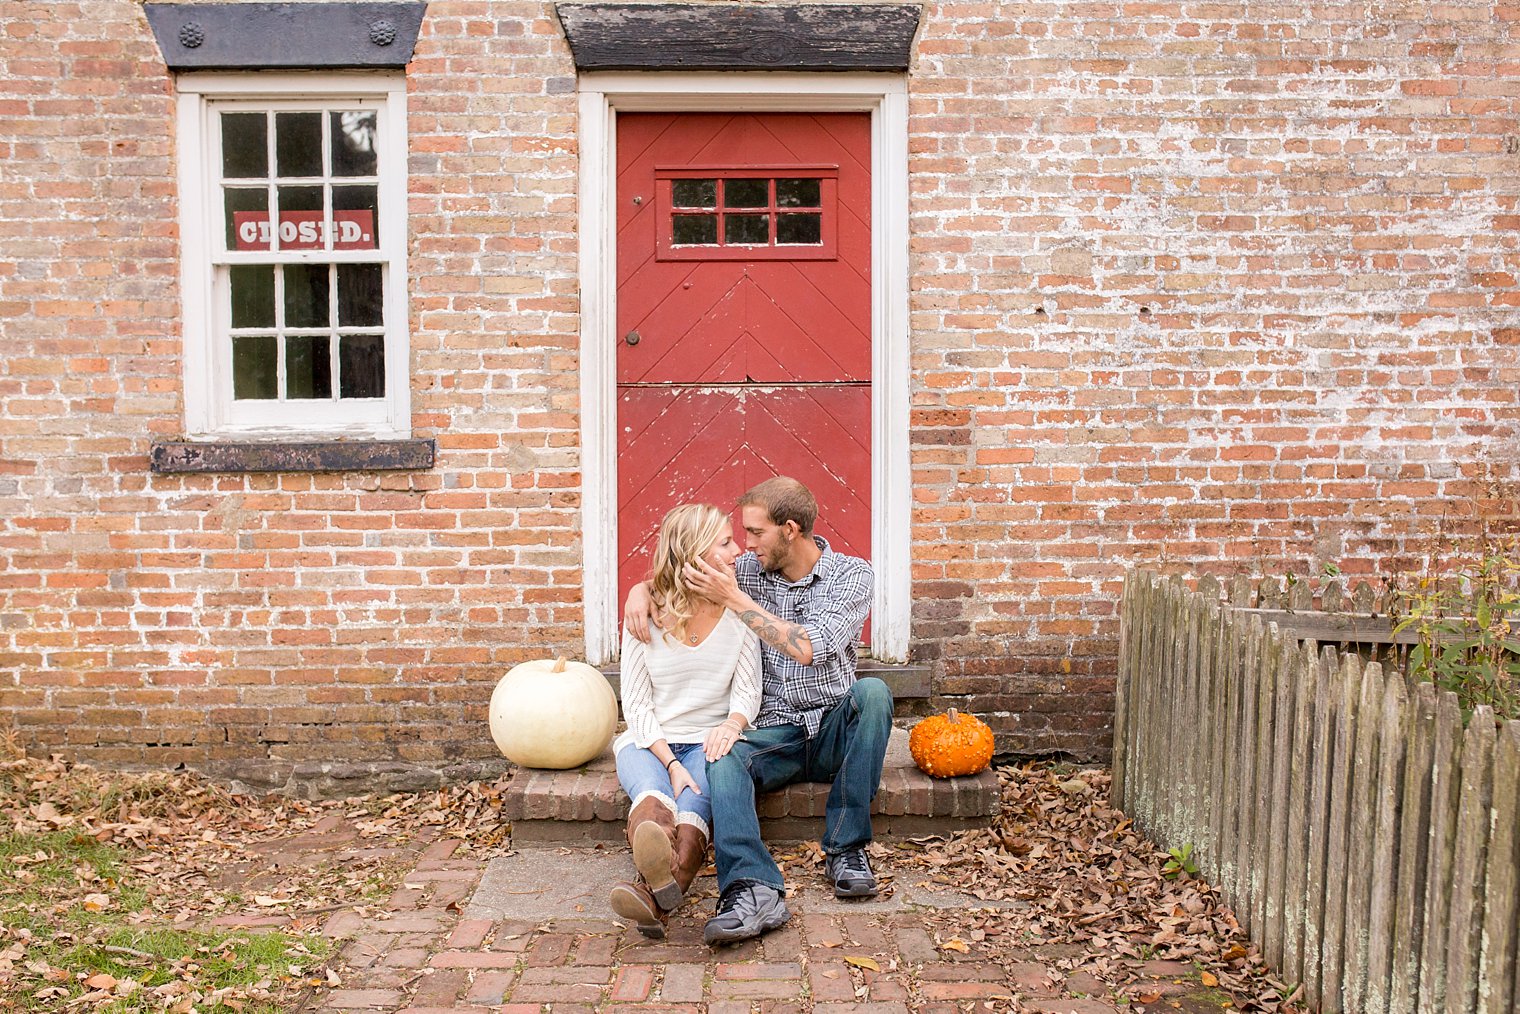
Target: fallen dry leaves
[(197, 851), (1060, 866)]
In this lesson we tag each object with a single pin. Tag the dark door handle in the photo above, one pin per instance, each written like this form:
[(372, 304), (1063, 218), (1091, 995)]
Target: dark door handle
[(632, 338)]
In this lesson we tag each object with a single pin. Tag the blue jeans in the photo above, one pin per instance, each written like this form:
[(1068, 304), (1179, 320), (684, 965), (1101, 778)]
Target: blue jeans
[(641, 773), (849, 749)]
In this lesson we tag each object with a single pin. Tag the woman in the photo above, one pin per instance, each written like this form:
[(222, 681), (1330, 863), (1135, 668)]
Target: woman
[(687, 696)]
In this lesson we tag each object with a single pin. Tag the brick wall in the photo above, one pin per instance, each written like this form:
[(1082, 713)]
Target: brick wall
[(1213, 287)]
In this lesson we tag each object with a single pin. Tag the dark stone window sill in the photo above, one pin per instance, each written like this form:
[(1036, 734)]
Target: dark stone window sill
[(291, 456)]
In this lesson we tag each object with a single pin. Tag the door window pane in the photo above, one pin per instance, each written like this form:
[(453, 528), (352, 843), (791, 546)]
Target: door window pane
[(749, 229), (298, 144), (797, 194), (694, 193), (799, 229), (254, 369), (308, 367), (746, 193), (360, 296), (252, 288), (694, 230), (245, 145), (353, 143), (306, 295), (361, 366)]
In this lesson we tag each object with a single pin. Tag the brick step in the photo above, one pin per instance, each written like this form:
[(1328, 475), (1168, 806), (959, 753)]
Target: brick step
[(587, 804)]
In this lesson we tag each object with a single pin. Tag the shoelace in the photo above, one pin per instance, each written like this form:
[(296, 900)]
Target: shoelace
[(730, 899), (852, 863)]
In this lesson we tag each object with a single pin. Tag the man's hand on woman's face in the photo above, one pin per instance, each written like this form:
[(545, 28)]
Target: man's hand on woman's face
[(716, 583)]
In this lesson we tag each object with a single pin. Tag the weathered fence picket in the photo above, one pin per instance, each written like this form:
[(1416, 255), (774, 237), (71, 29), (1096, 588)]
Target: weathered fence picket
[(1496, 986), (1443, 827), (1464, 939), (1368, 843), (1414, 850)]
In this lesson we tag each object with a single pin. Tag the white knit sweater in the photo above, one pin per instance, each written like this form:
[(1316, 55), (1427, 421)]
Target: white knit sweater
[(676, 692)]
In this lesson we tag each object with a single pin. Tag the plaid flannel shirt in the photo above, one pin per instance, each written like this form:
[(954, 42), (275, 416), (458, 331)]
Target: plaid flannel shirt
[(831, 602)]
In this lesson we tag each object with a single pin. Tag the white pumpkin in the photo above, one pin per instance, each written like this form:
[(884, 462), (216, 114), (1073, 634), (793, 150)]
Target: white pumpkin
[(552, 714)]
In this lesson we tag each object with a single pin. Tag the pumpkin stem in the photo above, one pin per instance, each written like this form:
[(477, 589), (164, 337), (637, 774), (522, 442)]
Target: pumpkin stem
[(559, 665), (954, 716)]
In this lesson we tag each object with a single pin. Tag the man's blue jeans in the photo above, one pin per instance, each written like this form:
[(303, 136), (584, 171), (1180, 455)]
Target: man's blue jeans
[(849, 748)]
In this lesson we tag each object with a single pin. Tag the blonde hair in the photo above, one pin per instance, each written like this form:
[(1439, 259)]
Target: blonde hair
[(685, 534)]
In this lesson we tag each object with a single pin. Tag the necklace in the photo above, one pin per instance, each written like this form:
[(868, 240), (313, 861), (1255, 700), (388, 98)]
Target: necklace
[(691, 637)]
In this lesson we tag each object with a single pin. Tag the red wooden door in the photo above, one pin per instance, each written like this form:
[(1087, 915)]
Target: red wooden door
[(744, 317)]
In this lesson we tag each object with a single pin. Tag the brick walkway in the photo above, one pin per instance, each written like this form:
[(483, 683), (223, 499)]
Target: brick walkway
[(421, 955)]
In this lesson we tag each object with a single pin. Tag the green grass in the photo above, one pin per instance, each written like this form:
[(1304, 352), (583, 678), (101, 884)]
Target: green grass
[(45, 884)]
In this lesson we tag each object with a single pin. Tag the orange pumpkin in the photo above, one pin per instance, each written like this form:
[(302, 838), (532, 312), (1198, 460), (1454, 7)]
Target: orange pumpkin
[(945, 746)]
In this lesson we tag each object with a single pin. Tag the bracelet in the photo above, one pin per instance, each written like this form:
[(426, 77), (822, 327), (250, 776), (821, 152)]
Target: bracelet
[(732, 724), (673, 760)]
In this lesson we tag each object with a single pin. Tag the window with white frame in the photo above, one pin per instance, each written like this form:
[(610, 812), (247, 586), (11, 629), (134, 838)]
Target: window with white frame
[(294, 238)]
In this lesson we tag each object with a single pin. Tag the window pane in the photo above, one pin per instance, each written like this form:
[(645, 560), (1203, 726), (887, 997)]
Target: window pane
[(245, 145), (795, 229), (308, 368), (247, 218), (359, 296), (361, 366), (306, 295), (749, 229), (746, 193), (353, 143), (252, 288), (797, 193), (253, 368), (694, 193), (298, 144), (300, 218), (355, 212), (694, 230)]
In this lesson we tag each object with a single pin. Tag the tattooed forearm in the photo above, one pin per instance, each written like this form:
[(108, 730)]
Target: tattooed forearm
[(791, 638)]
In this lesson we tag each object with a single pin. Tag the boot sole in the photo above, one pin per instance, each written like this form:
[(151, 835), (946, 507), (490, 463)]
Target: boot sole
[(773, 919), (652, 858), (628, 905)]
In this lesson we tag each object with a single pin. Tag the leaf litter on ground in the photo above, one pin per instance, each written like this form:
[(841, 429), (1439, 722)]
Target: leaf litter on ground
[(1059, 865), (189, 851)]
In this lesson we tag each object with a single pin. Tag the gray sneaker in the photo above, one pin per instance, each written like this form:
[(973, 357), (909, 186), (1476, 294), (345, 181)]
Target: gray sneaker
[(851, 874), (747, 909)]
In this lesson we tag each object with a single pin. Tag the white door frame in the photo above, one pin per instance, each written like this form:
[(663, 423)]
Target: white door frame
[(885, 96)]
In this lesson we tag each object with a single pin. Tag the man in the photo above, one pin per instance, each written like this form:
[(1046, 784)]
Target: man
[(817, 721)]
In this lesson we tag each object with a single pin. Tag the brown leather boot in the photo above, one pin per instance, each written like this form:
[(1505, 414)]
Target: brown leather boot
[(690, 856), (651, 832), (635, 903)]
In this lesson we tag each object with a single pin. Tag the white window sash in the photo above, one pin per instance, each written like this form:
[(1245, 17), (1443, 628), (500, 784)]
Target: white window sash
[(210, 411)]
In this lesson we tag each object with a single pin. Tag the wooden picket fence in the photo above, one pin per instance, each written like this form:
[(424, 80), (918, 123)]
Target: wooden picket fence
[(1366, 839)]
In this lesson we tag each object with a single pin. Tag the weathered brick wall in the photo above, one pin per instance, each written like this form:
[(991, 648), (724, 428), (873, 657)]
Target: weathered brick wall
[(1215, 287)]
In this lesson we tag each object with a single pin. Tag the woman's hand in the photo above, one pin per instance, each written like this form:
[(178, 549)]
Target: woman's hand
[(721, 739), (680, 779), (636, 611)]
